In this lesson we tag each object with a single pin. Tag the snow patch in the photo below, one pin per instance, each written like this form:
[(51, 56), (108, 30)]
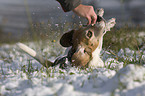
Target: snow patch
[(21, 75)]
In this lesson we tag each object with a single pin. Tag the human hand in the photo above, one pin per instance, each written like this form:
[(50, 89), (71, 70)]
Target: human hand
[(87, 12)]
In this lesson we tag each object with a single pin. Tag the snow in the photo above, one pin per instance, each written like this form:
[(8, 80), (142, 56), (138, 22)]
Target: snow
[(21, 75)]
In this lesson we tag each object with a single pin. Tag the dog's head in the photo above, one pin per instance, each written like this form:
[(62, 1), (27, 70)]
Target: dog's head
[(85, 40)]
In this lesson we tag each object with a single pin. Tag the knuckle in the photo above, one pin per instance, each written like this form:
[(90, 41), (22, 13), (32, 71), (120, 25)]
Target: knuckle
[(91, 7)]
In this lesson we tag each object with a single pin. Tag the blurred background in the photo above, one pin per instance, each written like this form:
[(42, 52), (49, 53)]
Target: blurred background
[(20, 19)]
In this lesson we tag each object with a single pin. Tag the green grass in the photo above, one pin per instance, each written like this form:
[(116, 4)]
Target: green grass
[(124, 37), (116, 39)]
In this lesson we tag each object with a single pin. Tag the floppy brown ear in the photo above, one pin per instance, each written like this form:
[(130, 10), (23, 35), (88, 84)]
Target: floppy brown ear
[(66, 39)]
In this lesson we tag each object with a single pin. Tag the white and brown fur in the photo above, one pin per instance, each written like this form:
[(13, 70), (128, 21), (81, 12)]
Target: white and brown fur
[(86, 44)]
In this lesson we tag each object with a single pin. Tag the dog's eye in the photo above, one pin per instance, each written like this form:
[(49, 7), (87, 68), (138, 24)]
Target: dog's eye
[(89, 34)]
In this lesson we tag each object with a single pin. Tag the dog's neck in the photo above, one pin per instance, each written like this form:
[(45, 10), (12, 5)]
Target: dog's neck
[(96, 60)]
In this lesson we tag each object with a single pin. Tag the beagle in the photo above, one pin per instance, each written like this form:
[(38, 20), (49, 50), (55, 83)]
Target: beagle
[(86, 44)]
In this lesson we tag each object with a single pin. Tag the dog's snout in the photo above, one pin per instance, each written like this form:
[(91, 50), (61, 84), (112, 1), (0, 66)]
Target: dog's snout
[(89, 34)]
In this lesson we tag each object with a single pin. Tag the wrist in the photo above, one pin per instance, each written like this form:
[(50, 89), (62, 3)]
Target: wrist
[(76, 8)]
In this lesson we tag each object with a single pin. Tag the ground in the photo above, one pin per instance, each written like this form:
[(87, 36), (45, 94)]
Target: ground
[(21, 75)]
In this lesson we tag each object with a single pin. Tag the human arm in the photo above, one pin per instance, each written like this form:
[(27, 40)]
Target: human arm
[(79, 9), (68, 5)]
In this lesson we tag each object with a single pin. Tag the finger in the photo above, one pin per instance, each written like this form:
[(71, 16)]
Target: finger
[(94, 19), (89, 20)]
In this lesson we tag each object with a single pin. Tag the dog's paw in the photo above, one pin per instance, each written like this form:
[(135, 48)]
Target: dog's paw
[(110, 24)]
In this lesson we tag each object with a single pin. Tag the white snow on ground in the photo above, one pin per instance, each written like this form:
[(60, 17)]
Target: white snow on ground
[(21, 75)]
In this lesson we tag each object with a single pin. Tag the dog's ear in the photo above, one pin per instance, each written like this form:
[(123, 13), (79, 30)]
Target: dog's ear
[(66, 39), (100, 12), (110, 24)]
